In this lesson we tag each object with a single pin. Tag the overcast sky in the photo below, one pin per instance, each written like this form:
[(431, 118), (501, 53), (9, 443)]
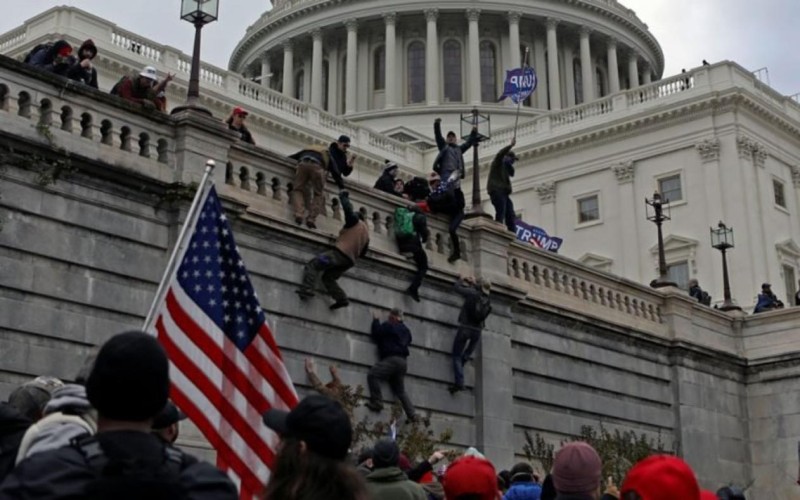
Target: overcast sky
[(754, 34)]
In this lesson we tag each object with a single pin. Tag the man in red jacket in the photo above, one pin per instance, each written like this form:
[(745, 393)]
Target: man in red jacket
[(144, 89)]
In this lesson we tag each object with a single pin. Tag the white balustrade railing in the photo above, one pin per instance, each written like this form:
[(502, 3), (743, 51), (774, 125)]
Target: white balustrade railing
[(13, 38), (138, 45)]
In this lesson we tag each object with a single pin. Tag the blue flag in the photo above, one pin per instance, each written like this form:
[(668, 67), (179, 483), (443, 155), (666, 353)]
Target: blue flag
[(538, 237), (520, 84)]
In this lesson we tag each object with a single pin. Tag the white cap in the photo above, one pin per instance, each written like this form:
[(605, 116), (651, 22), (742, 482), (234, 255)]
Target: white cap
[(149, 72)]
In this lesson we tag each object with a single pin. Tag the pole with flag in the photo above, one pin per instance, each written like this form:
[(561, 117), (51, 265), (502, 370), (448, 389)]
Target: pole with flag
[(225, 367), (519, 85), (519, 93)]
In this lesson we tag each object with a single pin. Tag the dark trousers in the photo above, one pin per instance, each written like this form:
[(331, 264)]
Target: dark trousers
[(456, 218), (421, 260), (393, 370), (331, 265), (464, 345), (504, 209)]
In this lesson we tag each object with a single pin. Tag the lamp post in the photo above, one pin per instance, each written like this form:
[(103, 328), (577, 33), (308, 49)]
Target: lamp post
[(199, 13), (722, 240), (655, 212), (481, 122)]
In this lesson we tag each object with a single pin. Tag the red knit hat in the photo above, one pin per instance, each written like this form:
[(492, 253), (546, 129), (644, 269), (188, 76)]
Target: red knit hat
[(708, 495), (470, 475), (662, 477)]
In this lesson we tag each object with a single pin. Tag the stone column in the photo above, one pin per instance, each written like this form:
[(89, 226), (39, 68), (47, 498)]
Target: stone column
[(391, 60), (352, 61), (432, 58), (316, 68), (547, 199), (474, 58), (552, 64), (288, 68), (569, 74), (586, 65), (513, 39), (715, 203), (539, 62), (625, 173), (647, 74), (613, 67), (633, 69), (266, 69), (333, 79)]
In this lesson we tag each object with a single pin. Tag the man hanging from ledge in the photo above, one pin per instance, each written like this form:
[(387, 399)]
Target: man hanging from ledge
[(477, 307), (341, 164), (450, 167), (351, 244)]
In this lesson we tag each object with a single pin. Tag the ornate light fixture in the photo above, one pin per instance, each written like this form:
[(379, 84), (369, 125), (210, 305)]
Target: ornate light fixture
[(722, 240), (199, 13), (483, 124), (655, 209)]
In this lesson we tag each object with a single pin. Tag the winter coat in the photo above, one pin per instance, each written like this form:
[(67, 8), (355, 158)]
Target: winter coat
[(338, 166), (244, 133), (500, 173), (353, 239), (80, 74), (391, 483), (450, 160), (12, 427), (392, 339), (467, 291), (767, 302), (68, 415), (129, 89), (524, 490), (48, 59), (64, 474), (385, 182)]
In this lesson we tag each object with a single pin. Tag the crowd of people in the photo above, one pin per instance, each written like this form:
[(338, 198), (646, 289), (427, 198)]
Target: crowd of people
[(111, 435)]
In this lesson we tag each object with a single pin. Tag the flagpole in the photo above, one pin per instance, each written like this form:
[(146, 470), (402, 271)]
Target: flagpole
[(519, 101), (189, 222)]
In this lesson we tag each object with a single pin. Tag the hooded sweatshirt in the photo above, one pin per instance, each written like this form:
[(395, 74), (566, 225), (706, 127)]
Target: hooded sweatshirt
[(78, 73), (385, 182), (68, 415), (12, 427), (391, 483)]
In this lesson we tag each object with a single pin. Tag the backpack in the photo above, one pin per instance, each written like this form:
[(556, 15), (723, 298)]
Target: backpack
[(403, 222), (478, 308), (132, 478), (36, 55)]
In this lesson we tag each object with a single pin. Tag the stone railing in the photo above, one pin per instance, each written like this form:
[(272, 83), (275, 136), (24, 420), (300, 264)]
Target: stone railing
[(565, 283), (577, 114), (136, 44), (13, 38)]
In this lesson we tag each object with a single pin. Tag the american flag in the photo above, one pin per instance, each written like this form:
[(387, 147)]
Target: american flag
[(225, 367)]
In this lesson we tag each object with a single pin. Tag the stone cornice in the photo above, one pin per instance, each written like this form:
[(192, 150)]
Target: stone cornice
[(750, 149), (625, 18)]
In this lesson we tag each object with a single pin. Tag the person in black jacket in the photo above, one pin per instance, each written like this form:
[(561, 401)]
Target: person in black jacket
[(392, 338), (236, 123), (54, 58), (385, 182), (340, 164), (82, 70), (413, 244), (128, 387)]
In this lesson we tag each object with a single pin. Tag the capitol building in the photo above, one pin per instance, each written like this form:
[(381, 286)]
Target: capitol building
[(603, 131)]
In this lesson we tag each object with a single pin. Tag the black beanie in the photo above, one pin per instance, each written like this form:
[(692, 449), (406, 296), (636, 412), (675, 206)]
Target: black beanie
[(385, 453), (130, 378)]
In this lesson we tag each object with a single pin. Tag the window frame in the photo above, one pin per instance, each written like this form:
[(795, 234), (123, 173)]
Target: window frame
[(779, 182), (591, 222), (410, 73), (684, 262), (491, 44), (666, 176), (446, 72), (377, 76)]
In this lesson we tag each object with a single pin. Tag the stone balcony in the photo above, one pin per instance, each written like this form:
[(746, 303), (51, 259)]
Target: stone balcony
[(81, 254)]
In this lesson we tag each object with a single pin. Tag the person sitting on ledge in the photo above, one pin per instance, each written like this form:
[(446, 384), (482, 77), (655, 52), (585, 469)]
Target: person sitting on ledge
[(698, 293), (767, 301)]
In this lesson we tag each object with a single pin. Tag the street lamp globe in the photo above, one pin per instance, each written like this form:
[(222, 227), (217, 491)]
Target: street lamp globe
[(722, 237), (199, 11)]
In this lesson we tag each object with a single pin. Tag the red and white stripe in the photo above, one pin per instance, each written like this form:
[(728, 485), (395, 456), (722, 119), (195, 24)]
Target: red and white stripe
[(223, 390)]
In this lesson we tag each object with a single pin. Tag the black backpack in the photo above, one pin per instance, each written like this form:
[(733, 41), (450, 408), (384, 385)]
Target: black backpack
[(132, 478), (479, 307), (39, 48)]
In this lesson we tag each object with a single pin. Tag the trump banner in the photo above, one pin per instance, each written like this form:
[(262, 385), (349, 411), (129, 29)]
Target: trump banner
[(520, 84), (537, 237)]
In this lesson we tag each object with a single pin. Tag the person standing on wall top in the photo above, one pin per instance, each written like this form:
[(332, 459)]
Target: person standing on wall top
[(449, 164), (411, 232), (477, 307), (499, 186), (392, 338), (351, 244), (340, 164), (235, 122)]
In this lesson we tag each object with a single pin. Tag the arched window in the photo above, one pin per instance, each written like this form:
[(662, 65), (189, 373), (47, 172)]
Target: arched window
[(379, 68), (299, 87), (452, 71), (416, 72), (488, 72), (600, 89), (576, 68)]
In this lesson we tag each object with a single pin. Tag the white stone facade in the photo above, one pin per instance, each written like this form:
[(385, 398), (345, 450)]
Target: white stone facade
[(723, 139)]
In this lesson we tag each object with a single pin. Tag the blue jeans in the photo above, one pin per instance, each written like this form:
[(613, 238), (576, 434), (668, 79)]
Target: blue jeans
[(504, 209), (463, 346)]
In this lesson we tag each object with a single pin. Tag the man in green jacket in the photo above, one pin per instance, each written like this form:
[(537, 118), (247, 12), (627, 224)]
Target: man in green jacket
[(499, 186), (387, 481)]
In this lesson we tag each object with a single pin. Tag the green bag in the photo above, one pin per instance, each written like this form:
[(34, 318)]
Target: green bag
[(403, 222)]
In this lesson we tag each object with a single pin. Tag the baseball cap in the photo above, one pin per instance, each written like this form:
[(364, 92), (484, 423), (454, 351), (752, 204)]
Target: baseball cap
[(662, 477), (470, 475), (319, 421), (238, 110), (577, 469), (149, 72), (168, 416)]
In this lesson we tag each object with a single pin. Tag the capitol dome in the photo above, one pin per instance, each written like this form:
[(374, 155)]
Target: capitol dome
[(393, 66)]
